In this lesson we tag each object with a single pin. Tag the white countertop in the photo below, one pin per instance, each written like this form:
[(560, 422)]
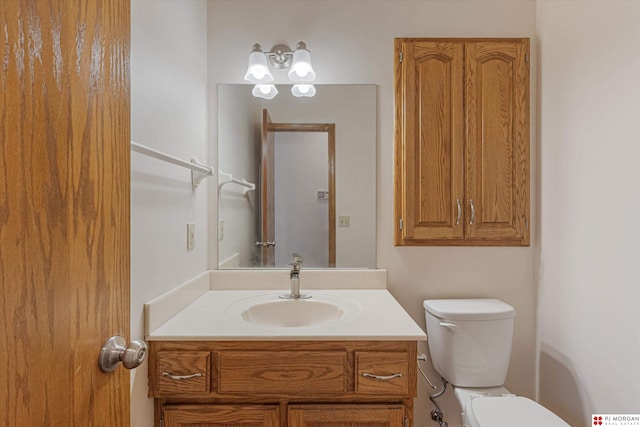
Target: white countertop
[(215, 316)]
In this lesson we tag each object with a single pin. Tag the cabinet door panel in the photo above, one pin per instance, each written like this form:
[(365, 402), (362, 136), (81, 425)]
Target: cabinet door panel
[(497, 149), (221, 416), (433, 140), (346, 415)]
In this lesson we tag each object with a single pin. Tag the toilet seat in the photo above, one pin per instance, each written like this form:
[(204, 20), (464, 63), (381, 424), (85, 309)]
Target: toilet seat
[(509, 411)]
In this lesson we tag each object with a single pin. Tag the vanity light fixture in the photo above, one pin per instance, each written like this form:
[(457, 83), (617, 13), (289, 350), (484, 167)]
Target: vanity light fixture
[(281, 57)]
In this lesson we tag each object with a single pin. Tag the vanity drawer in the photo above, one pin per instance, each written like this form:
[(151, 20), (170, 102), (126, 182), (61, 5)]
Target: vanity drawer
[(382, 373), (300, 373), (182, 372)]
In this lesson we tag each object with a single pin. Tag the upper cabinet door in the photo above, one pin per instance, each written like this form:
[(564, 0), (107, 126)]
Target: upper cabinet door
[(432, 140), (462, 142), (497, 146)]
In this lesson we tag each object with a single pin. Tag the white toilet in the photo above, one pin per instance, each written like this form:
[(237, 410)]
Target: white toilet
[(470, 346)]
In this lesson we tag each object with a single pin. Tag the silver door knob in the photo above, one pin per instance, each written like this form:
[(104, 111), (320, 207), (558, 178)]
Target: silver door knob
[(114, 352)]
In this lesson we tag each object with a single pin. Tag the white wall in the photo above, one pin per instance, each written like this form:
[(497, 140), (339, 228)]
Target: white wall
[(589, 280), (168, 113), (351, 41)]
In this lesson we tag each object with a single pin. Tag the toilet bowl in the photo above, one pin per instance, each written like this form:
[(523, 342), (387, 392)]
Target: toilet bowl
[(470, 347)]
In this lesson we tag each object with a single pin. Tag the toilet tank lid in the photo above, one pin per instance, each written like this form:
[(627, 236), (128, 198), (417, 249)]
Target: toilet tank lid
[(469, 309)]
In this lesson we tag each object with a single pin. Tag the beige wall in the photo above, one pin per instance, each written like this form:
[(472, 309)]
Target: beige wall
[(589, 281), (352, 42)]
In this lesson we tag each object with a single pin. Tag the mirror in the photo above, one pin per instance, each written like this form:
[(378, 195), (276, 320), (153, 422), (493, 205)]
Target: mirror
[(297, 175)]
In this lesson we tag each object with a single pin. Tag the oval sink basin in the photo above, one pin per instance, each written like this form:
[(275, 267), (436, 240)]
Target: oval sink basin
[(292, 313), (271, 311)]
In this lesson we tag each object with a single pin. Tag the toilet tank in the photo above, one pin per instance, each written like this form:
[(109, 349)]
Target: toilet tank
[(470, 340)]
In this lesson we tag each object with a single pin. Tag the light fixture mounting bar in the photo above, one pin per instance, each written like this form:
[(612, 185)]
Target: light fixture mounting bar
[(280, 56)]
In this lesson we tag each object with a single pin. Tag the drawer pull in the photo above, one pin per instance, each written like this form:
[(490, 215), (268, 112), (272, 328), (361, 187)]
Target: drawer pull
[(181, 377), (382, 377)]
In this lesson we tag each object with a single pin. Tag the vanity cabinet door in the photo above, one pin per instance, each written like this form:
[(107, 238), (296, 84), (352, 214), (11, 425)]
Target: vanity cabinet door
[(221, 416), (346, 415), (462, 142)]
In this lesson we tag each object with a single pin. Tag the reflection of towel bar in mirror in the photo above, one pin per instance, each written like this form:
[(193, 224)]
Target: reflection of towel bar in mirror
[(199, 171), (225, 178)]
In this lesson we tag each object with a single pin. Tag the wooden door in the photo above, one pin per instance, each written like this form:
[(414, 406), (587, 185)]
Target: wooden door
[(221, 416), (64, 210), (381, 415), (267, 193), (429, 152), (497, 153)]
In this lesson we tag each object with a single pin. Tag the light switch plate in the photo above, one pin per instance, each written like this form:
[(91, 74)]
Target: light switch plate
[(344, 221)]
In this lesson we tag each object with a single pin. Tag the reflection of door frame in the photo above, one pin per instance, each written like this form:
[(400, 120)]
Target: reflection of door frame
[(330, 129)]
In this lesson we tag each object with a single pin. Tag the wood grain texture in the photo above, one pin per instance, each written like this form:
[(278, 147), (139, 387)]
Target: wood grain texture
[(346, 415), (222, 416), (382, 364), (497, 87), (462, 135), (181, 363), (288, 372), (64, 210), (433, 173)]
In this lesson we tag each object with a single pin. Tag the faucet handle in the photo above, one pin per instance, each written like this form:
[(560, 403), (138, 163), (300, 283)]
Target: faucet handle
[(296, 258)]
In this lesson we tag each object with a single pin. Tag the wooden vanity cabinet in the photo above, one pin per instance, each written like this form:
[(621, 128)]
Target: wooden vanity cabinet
[(283, 383), (462, 142)]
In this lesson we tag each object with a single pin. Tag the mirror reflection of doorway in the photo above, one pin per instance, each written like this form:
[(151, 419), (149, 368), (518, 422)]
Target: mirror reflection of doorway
[(299, 162)]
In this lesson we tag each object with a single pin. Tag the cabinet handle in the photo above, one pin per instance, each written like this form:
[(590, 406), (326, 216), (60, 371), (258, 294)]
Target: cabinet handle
[(459, 211), (473, 211), (181, 377), (382, 377)]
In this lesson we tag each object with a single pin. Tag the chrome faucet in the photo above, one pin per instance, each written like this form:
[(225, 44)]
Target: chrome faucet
[(294, 275)]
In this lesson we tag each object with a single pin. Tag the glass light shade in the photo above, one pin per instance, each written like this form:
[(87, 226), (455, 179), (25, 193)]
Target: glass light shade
[(301, 69), (258, 70), (264, 91), (303, 90)]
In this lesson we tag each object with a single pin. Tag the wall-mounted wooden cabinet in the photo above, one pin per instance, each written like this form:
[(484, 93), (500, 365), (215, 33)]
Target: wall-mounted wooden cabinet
[(462, 142)]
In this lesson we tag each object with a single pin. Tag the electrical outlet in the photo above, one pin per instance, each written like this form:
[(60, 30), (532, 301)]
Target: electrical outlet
[(221, 229), (191, 236), (344, 221)]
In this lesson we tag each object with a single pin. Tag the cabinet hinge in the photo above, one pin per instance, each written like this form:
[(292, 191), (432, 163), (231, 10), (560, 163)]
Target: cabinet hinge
[(161, 422), (401, 223), (401, 57), (406, 422)]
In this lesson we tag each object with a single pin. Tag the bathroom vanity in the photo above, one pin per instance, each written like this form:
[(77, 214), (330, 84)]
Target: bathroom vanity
[(246, 357)]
